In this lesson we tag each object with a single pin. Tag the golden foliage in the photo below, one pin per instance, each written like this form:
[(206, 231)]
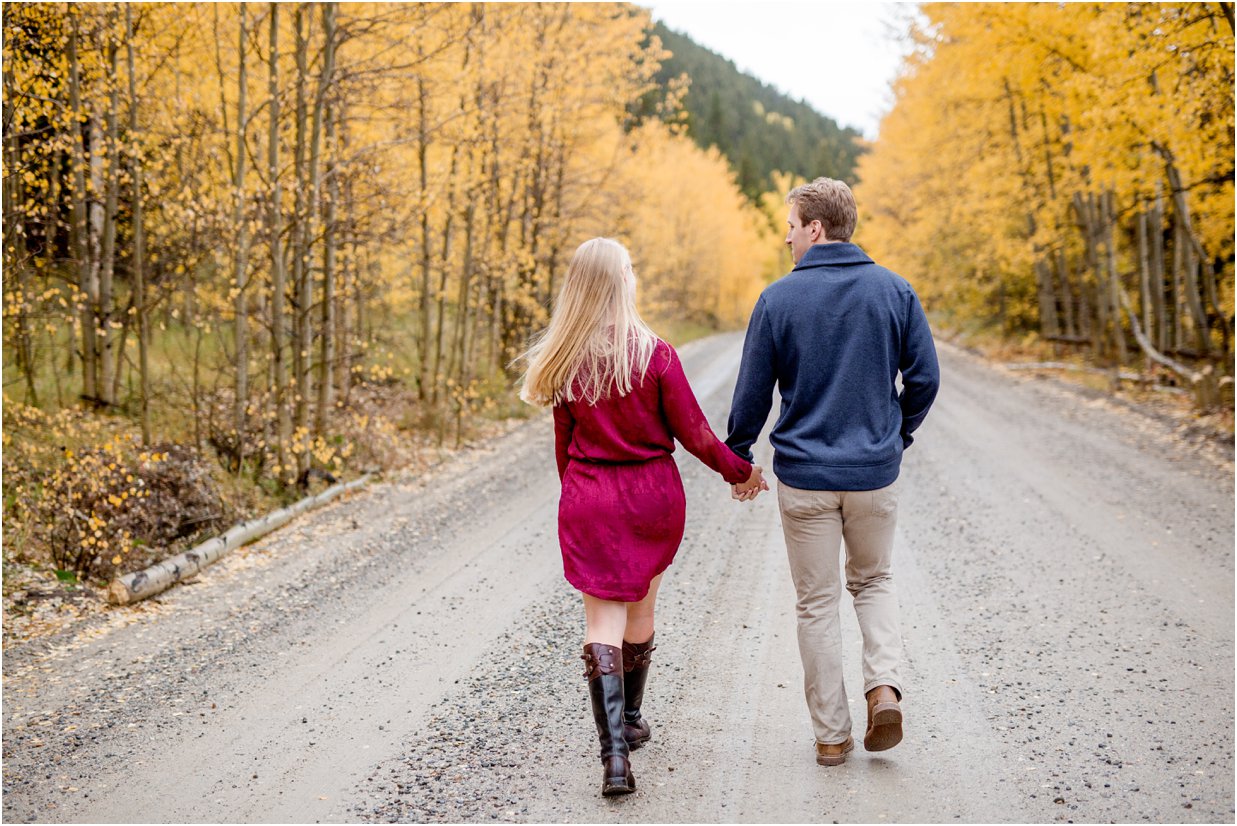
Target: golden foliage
[(441, 167), (1014, 123)]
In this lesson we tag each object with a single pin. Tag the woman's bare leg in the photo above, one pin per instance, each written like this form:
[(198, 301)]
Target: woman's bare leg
[(606, 621), (640, 614)]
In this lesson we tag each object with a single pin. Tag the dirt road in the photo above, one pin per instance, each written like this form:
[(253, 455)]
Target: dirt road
[(1065, 571)]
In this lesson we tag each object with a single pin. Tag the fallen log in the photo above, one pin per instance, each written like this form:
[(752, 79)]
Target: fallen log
[(1124, 375), (157, 578)]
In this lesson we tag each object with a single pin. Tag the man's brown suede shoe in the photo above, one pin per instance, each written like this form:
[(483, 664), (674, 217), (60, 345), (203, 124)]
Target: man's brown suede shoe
[(884, 719), (834, 754)]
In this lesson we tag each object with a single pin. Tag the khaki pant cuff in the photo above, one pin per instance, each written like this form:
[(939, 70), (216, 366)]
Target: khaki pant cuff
[(871, 684)]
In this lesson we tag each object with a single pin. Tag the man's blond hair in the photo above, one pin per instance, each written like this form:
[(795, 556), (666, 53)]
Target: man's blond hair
[(830, 202)]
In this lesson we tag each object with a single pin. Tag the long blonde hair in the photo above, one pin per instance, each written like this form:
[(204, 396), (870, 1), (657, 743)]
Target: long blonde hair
[(596, 342)]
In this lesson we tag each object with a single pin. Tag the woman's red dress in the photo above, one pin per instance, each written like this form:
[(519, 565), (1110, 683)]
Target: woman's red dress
[(622, 509)]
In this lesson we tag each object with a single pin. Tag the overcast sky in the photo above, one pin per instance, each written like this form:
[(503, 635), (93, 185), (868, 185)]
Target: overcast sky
[(839, 57)]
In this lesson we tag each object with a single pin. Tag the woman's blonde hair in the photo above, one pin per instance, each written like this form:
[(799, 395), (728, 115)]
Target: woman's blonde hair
[(596, 342)]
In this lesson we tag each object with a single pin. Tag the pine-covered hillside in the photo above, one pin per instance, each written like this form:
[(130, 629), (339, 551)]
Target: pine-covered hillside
[(759, 129)]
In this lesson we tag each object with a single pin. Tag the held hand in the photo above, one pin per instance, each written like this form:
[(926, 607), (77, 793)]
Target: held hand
[(749, 490)]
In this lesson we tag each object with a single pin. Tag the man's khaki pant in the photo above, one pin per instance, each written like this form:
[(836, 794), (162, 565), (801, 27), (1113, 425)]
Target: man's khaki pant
[(815, 523)]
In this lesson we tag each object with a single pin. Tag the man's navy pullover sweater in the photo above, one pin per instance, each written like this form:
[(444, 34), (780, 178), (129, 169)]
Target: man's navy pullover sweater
[(833, 335)]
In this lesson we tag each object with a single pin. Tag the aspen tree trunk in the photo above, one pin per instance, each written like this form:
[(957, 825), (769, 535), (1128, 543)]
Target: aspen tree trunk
[(1048, 324), (1086, 320), (87, 283), (474, 328), (452, 372), (348, 285), (1065, 298), (504, 319), (1175, 302), (95, 205), (61, 194), (1144, 282), (15, 247), (326, 374), (456, 365), (365, 320), (302, 331), (1082, 208), (1100, 282), (1114, 277), (533, 197), (279, 388), (1068, 302), (322, 111), (475, 249), (107, 270), (557, 222), (123, 339), (139, 243), (1155, 226), (423, 348), (1097, 257), (52, 347), (444, 268), (197, 384), (1204, 261), (241, 262), (1211, 289), (481, 278), (497, 320), (1193, 302)]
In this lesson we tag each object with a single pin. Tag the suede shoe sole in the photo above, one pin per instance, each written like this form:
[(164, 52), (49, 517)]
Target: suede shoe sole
[(834, 754), (885, 730)]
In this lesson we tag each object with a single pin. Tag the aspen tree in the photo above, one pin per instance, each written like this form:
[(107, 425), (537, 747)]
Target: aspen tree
[(240, 276), (139, 240)]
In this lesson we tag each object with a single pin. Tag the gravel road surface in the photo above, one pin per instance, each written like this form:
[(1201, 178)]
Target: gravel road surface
[(1065, 571)]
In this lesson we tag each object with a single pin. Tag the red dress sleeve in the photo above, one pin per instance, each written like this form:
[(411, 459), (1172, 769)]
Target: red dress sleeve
[(564, 423), (691, 428)]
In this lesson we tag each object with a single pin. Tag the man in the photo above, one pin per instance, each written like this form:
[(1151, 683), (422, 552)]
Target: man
[(832, 335)]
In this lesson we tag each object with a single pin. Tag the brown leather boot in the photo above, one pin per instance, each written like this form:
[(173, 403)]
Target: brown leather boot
[(834, 754), (603, 667), (636, 659), (884, 719)]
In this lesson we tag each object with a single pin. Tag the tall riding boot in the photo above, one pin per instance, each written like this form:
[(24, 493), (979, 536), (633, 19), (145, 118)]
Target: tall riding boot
[(636, 659), (603, 667)]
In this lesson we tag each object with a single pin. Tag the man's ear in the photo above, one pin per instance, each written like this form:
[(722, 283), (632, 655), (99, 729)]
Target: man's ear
[(819, 230)]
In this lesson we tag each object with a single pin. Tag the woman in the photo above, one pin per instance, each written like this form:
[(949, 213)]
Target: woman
[(620, 400)]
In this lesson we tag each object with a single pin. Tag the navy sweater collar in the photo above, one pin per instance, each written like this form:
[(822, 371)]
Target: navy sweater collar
[(832, 255)]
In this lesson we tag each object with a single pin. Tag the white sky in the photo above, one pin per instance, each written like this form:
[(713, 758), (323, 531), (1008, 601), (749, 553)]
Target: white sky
[(839, 57)]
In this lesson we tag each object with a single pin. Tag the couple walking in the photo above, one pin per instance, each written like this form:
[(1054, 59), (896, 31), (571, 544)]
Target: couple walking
[(832, 335)]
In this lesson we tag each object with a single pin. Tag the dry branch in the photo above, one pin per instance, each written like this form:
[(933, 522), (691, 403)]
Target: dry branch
[(1202, 383)]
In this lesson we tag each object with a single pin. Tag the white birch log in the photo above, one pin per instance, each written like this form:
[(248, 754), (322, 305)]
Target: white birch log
[(157, 578), (1124, 375)]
